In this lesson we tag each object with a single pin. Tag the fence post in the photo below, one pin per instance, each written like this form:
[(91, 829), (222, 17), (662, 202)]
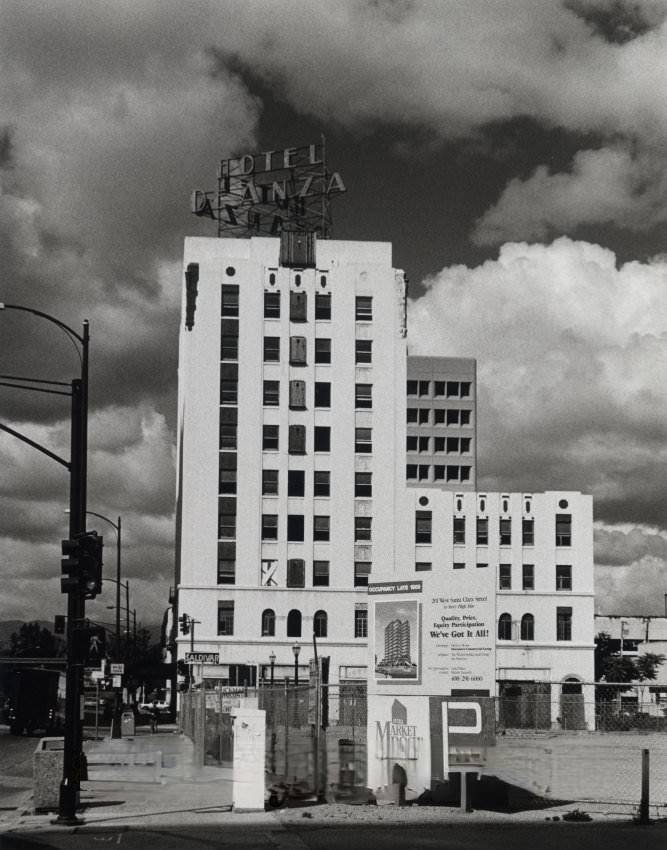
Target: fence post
[(643, 803), (286, 730)]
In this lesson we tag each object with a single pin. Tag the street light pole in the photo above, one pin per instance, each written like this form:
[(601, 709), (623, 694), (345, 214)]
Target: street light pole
[(73, 758), (296, 649)]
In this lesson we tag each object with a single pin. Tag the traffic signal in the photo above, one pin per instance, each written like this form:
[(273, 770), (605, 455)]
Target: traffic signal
[(70, 566), (91, 545), (59, 624), (184, 622)]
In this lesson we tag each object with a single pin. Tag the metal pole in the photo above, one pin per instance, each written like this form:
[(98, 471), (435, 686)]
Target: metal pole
[(118, 591), (68, 801), (643, 803)]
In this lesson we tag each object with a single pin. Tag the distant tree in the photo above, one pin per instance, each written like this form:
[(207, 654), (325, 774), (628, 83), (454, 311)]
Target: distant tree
[(34, 641), (603, 652), (647, 665)]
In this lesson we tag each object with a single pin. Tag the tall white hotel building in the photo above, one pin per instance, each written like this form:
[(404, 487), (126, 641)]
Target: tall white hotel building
[(307, 443)]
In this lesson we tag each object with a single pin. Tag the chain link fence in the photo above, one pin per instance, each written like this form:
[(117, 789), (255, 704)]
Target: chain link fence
[(205, 716)]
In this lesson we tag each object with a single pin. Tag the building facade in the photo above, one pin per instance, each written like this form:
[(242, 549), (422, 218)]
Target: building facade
[(290, 449), (441, 419)]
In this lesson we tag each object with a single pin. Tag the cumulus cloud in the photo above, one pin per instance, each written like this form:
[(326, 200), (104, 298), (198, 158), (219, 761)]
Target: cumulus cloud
[(572, 354)]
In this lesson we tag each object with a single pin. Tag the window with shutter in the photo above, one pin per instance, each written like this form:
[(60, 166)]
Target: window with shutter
[(297, 395), (296, 572), (297, 306), (297, 439), (297, 350)]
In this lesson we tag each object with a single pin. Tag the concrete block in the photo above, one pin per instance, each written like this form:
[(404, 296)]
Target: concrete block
[(47, 773)]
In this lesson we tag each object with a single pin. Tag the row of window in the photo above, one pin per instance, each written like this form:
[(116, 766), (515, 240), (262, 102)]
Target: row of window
[(294, 622), (298, 349), (438, 445), (563, 535), (295, 575), (321, 527), (563, 577), (439, 389), (363, 443), (298, 305), (363, 393), (507, 629), (437, 472), (438, 415)]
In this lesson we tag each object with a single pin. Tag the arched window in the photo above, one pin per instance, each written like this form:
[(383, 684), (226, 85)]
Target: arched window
[(528, 627), (294, 623), (268, 622), (505, 627), (320, 624)]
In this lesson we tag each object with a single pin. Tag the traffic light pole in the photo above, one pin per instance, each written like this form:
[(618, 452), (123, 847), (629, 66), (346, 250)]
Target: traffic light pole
[(73, 755)]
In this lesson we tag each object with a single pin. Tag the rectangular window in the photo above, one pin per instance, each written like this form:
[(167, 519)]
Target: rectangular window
[(452, 417), (362, 569), (361, 622), (227, 435), (464, 389), (297, 350), (227, 518), (363, 440), (227, 480), (459, 529), (411, 471), (297, 395), (504, 576), (563, 577), (297, 306), (465, 445), (322, 350), (424, 416), (459, 565), (269, 482), (438, 444), (229, 392), (271, 393), (452, 389), (482, 565), (465, 417), (272, 305), (563, 529), (411, 415), (423, 472), (439, 416), (363, 484), (438, 388), (269, 526), (438, 472), (505, 532), (229, 300), (528, 577), (411, 387), (226, 617), (322, 438), (270, 438), (528, 532), (296, 572), (362, 527), (322, 394), (363, 350), (423, 566), (296, 482), (452, 445), (321, 529), (295, 528), (482, 531), (424, 444), (423, 522), (363, 396), (226, 563), (465, 473), (322, 483), (363, 308), (424, 388), (411, 443), (320, 574), (563, 624), (296, 439), (323, 306), (271, 349), (229, 340)]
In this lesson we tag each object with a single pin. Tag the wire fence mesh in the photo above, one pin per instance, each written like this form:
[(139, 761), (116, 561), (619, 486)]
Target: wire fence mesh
[(577, 743)]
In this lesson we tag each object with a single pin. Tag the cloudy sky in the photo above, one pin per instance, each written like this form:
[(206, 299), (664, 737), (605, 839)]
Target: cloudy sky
[(514, 152)]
